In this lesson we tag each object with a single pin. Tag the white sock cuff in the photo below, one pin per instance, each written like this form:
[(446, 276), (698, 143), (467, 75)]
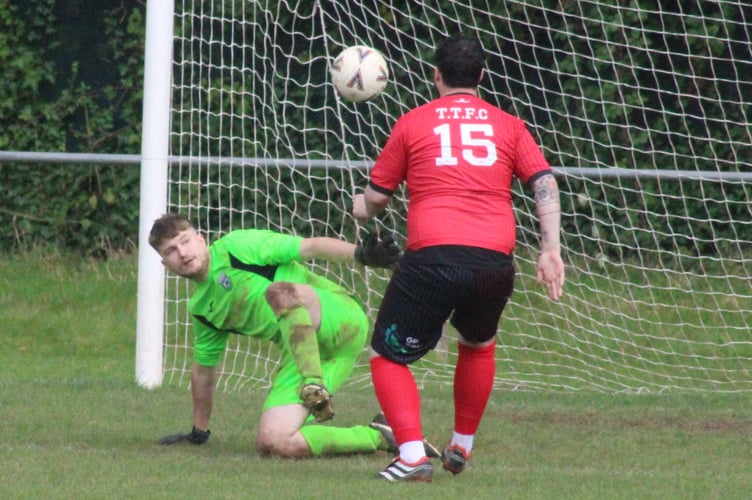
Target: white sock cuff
[(412, 451), (464, 440)]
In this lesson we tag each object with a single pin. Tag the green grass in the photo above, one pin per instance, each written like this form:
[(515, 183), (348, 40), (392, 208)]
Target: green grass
[(75, 424)]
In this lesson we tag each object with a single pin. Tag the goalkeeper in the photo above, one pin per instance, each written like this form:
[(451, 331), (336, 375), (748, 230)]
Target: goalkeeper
[(252, 282)]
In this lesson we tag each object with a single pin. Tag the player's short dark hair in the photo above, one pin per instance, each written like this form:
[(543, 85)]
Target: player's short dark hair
[(460, 60), (166, 227)]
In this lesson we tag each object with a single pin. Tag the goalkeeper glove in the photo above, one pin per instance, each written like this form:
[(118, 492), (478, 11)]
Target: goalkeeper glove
[(377, 252), (196, 436), (318, 401)]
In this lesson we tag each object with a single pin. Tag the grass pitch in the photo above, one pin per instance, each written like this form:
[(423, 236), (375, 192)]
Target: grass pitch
[(75, 424)]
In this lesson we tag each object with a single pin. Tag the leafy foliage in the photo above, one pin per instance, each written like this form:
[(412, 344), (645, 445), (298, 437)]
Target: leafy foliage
[(72, 84), (73, 75)]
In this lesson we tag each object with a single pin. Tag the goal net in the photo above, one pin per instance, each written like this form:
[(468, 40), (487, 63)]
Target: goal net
[(643, 109)]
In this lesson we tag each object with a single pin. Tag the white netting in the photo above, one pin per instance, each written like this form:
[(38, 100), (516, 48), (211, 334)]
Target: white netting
[(642, 108)]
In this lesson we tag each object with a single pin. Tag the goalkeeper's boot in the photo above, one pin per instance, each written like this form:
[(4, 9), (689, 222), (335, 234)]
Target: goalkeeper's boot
[(420, 471), (454, 459), (380, 424), (318, 401)]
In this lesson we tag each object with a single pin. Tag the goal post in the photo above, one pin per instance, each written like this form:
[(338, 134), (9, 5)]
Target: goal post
[(643, 108), (153, 190)]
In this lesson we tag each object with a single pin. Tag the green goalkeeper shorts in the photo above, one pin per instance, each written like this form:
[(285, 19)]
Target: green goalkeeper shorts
[(341, 337)]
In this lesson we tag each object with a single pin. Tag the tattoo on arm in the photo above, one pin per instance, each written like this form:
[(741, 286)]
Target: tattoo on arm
[(549, 210), (546, 190), (546, 237)]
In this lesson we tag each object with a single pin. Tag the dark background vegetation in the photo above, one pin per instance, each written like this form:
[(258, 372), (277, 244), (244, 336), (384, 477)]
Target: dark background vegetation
[(72, 82)]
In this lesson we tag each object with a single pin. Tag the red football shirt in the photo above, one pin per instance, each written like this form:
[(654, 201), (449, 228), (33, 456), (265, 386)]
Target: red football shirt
[(458, 155)]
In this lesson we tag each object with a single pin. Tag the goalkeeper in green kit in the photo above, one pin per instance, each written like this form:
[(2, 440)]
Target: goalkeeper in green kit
[(252, 282)]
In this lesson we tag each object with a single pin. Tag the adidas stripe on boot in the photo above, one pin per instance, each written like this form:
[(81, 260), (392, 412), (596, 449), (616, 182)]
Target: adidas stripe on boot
[(380, 424), (420, 471)]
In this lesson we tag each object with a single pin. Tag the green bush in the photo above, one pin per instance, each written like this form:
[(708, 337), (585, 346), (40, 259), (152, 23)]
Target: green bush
[(72, 83), (73, 75)]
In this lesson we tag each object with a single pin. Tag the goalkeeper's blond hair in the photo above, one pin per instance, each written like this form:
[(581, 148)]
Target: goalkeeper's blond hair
[(167, 227)]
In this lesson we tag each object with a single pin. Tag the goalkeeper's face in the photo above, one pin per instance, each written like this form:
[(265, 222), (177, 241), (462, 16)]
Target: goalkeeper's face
[(186, 255)]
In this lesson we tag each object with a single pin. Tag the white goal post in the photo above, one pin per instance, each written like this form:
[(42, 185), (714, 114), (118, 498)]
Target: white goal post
[(643, 108), (153, 189)]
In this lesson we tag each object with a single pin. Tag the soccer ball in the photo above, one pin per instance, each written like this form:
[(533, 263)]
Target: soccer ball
[(359, 73)]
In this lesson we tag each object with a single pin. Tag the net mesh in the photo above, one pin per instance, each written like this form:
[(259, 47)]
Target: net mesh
[(641, 107)]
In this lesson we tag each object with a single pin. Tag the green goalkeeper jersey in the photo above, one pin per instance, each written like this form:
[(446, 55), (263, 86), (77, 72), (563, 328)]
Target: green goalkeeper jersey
[(231, 298)]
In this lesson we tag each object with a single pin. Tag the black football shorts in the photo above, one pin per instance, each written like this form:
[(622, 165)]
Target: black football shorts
[(420, 298)]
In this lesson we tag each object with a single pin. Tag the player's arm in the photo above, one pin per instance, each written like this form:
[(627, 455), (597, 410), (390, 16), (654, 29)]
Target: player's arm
[(550, 265), (330, 249), (370, 203), (374, 252), (209, 344), (203, 385)]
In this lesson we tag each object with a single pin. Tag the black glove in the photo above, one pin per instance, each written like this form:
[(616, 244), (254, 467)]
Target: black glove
[(377, 252), (196, 436)]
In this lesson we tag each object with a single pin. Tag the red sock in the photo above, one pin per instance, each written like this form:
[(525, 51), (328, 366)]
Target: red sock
[(399, 398), (473, 381)]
